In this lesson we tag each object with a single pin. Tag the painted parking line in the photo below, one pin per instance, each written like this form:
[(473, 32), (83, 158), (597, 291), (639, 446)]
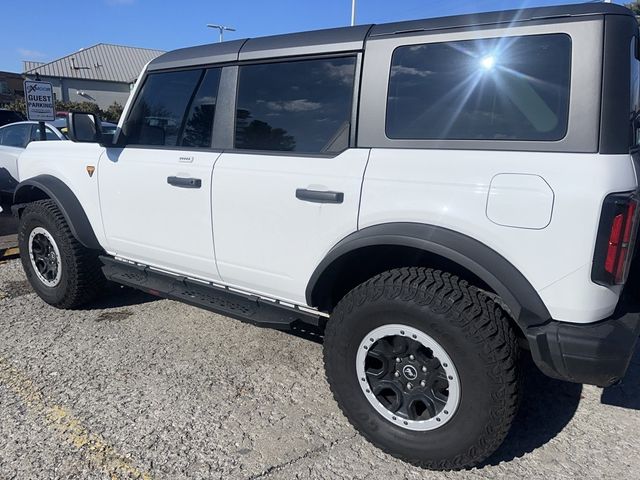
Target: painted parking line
[(90, 446), (9, 254), (8, 241), (8, 247)]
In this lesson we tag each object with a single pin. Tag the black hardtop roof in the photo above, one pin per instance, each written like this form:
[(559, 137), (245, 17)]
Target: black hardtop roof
[(353, 38), (508, 17)]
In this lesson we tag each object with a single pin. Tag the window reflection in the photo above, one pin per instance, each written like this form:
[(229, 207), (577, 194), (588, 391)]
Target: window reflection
[(199, 125), (510, 88), (298, 106), (166, 111)]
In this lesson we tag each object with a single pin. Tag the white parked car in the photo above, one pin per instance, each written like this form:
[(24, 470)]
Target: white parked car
[(14, 138), (439, 196)]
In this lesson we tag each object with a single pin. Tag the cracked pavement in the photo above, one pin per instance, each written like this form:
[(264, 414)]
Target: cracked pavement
[(135, 387)]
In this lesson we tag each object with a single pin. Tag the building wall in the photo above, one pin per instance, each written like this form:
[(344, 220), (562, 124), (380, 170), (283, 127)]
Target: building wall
[(94, 91), (11, 87)]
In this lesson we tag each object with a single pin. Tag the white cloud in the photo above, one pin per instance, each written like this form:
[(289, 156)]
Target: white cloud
[(301, 105), (400, 70), (343, 73), (31, 54)]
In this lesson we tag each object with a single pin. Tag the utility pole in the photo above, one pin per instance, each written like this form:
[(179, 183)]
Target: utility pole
[(222, 29), (353, 12)]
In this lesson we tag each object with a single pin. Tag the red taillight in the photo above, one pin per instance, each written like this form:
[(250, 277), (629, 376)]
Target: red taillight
[(614, 244), (625, 246), (616, 237)]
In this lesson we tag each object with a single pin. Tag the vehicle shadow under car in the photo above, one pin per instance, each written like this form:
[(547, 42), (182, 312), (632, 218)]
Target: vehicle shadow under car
[(548, 405), (117, 296)]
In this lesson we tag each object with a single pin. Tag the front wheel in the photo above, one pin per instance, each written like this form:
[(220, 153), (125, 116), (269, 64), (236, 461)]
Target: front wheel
[(63, 273), (424, 366)]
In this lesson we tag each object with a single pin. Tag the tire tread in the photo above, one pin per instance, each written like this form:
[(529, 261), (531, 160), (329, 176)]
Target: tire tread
[(85, 280), (480, 319)]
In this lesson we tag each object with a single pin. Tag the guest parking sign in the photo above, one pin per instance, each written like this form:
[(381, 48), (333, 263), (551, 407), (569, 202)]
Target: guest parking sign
[(40, 103)]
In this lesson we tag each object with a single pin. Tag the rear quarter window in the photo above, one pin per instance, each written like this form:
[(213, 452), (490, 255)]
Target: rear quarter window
[(509, 88)]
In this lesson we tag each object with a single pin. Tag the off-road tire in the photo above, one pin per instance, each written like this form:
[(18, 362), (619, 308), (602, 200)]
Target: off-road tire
[(468, 325), (81, 278)]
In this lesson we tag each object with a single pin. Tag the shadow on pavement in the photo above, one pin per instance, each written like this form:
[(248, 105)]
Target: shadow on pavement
[(8, 223), (627, 393), (547, 407), (117, 296)]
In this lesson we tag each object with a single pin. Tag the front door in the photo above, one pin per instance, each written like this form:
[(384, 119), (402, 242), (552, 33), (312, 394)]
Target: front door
[(290, 189), (155, 192)]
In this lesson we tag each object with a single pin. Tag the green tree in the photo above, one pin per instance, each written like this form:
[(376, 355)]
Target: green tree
[(113, 113), (18, 105), (86, 107)]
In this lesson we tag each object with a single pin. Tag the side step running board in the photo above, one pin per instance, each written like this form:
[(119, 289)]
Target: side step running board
[(222, 300)]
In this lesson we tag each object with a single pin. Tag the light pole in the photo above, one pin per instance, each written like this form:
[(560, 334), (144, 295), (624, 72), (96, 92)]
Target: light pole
[(353, 12), (222, 29)]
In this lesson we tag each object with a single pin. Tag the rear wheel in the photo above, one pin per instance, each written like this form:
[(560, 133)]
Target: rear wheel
[(63, 272), (424, 366)]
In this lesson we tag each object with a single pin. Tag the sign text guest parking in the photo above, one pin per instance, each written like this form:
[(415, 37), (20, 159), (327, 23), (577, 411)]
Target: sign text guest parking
[(40, 102)]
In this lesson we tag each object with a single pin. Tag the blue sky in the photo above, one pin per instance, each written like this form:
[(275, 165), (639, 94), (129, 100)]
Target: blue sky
[(43, 30)]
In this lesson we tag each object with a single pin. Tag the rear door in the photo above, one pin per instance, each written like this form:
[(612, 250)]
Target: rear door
[(155, 192), (290, 188)]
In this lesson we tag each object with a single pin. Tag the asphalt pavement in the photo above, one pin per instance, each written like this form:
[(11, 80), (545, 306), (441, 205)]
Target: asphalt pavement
[(135, 387)]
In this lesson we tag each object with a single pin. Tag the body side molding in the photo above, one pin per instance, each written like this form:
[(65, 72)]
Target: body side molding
[(68, 203), (515, 290)]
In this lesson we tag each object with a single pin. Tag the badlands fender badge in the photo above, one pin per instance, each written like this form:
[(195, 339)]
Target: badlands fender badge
[(90, 170)]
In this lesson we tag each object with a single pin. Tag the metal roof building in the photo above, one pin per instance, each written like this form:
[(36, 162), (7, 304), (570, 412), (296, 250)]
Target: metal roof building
[(102, 73)]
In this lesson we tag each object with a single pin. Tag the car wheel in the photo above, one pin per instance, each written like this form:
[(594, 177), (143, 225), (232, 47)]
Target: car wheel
[(63, 272), (425, 366)]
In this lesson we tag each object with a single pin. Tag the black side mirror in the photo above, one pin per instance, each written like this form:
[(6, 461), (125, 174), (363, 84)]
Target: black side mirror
[(84, 127)]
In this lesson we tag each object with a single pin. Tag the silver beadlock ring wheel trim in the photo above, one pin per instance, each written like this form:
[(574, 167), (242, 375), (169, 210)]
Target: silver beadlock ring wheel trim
[(453, 400), (41, 231)]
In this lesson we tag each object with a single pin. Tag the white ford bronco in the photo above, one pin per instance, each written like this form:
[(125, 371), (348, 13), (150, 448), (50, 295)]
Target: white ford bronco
[(439, 197)]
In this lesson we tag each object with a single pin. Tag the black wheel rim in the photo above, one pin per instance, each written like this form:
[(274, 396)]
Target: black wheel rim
[(44, 257), (406, 378)]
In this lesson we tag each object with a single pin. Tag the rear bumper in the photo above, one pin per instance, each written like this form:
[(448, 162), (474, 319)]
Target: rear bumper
[(595, 353)]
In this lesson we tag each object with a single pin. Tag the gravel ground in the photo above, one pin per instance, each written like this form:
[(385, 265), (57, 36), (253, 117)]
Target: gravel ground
[(135, 387)]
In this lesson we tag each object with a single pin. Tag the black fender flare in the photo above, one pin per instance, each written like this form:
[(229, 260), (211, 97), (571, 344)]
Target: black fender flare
[(507, 281), (67, 202)]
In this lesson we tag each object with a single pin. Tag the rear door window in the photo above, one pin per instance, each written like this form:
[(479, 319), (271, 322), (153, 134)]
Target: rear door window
[(510, 88), (300, 106)]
